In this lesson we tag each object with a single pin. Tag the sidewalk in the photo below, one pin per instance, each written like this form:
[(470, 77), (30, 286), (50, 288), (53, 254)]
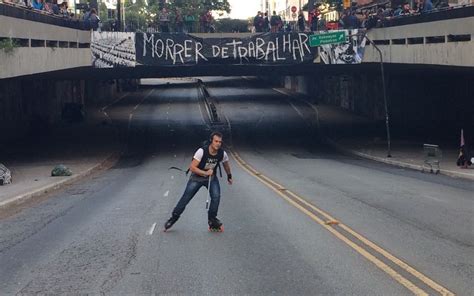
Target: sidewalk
[(356, 135), (405, 153), (83, 147)]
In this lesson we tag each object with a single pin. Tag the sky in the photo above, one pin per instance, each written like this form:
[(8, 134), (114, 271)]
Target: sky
[(243, 9)]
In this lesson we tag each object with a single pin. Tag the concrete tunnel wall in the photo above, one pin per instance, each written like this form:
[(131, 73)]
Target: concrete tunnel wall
[(33, 107), (433, 104)]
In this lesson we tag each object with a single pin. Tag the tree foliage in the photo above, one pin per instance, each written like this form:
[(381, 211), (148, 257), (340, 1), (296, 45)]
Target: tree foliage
[(141, 13), (200, 6), (138, 14), (228, 25)]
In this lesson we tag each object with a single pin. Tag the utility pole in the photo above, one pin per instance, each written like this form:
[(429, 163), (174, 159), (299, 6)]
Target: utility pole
[(120, 15), (384, 91)]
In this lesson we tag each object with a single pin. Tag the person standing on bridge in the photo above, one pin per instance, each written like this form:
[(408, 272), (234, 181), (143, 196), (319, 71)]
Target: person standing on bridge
[(203, 169), (164, 18), (275, 22)]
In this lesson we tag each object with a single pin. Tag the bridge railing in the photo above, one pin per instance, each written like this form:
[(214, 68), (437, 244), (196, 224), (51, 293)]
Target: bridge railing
[(17, 10), (438, 14)]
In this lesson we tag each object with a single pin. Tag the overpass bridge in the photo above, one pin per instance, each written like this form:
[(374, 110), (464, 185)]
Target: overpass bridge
[(48, 62), (57, 48)]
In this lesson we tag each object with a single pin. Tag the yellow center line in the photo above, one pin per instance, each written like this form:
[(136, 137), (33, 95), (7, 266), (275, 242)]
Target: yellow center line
[(435, 286), (283, 192)]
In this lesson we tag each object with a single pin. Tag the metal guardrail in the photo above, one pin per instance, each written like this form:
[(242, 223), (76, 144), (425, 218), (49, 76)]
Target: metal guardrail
[(28, 13), (437, 14)]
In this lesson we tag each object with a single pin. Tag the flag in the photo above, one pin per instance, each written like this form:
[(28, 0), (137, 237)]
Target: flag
[(462, 138)]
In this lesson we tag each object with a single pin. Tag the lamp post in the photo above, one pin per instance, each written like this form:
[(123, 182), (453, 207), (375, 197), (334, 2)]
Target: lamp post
[(120, 15), (387, 117)]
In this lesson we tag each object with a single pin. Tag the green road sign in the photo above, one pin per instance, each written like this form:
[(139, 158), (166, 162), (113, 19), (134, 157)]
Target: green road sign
[(327, 38)]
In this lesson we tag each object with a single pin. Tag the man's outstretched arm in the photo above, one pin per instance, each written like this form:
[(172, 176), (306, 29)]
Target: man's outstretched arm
[(227, 170)]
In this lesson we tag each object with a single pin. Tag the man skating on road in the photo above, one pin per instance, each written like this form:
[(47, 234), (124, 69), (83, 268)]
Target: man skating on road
[(203, 167)]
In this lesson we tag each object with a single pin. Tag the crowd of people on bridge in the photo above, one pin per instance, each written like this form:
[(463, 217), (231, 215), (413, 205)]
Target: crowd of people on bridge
[(59, 9), (177, 21), (352, 18), (378, 16), (47, 6)]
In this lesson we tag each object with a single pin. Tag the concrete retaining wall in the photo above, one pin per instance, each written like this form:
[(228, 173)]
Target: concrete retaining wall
[(437, 103), (41, 47), (425, 43), (32, 107)]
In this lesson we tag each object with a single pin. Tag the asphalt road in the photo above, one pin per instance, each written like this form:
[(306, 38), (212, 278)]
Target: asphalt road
[(104, 236)]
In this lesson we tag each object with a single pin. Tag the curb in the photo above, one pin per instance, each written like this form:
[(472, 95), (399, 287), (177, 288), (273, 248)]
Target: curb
[(60, 184), (396, 163), (400, 164)]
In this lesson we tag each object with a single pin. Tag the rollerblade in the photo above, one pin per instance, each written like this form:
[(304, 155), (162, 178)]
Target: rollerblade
[(215, 225), (170, 222)]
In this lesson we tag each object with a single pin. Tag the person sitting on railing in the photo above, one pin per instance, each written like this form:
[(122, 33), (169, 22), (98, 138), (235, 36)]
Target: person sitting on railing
[(55, 7), (427, 6), (398, 11), (48, 6), (63, 9), (441, 4), (407, 9), (37, 4)]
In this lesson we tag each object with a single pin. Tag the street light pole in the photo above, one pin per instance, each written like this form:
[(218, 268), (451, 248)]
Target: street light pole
[(387, 118), (120, 16)]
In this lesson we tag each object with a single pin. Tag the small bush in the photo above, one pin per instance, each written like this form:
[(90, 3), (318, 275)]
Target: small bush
[(8, 45)]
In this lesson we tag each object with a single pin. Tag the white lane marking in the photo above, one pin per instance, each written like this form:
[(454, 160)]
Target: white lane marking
[(434, 198), (172, 177), (280, 91), (355, 177), (123, 96), (166, 193), (316, 112), (130, 120), (150, 232), (175, 156), (143, 100), (296, 109), (130, 117)]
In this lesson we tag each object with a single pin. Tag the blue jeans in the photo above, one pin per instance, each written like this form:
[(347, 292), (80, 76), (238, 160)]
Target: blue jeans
[(193, 186)]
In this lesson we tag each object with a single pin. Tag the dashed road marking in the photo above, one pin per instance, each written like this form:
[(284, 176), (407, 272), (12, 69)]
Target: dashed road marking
[(130, 117), (152, 228)]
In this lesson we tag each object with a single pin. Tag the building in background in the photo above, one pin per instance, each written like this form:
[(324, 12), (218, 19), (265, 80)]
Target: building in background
[(283, 7)]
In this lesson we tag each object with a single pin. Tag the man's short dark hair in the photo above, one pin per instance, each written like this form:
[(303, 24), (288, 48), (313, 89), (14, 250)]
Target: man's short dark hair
[(218, 134)]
